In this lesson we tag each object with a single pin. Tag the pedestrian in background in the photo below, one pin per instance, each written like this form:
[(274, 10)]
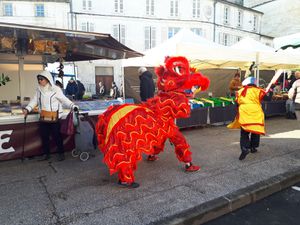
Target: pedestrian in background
[(114, 91), (49, 98), (235, 83), (250, 116), (290, 103), (71, 89), (294, 94), (80, 90), (147, 86), (101, 89)]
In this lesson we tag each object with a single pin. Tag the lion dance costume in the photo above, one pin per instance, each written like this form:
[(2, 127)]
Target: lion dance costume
[(126, 131)]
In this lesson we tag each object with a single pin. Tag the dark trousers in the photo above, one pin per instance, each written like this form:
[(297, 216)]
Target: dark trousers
[(47, 129), (248, 140)]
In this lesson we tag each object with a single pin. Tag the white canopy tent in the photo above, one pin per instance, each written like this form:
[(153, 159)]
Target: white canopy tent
[(200, 51), (207, 54), (265, 57)]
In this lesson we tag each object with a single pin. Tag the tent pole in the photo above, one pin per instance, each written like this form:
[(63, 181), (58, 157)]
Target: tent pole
[(257, 69), (20, 72), (283, 84), (123, 81)]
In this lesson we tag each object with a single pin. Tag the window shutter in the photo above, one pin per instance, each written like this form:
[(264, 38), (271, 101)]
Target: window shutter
[(90, 4), (153, 37), (123, 34), (116, 32), (121, 6), (84, 4)]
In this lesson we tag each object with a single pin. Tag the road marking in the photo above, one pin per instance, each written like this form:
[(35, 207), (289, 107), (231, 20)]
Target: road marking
[(296, 188), (289, 134)]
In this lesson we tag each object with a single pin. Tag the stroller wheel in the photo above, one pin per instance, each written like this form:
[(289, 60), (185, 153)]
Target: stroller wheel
[(84, 156), (75, 153)]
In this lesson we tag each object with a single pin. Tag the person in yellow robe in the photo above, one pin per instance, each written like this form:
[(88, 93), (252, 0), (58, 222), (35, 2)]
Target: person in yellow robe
[(250, 117)]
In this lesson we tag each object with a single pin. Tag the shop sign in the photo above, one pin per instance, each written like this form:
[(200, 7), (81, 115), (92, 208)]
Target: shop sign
[(5, 138)]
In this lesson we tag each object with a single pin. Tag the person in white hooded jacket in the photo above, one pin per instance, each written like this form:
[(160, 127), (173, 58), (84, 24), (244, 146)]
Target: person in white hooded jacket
[(49, 98)]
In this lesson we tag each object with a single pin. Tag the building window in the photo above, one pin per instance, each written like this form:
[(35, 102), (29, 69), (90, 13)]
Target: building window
[(7, 9), (119, 6), (150, 37), (119, 33), (254, 23), (196, 8), (238, 38), (90, 4), (87, 26), (92, 27), (174, 8), (239, 19), (39, 10), (226, 15), (225, 39), (150, 7), (84, 26), (197, 31), (172, 31), (84, 4)]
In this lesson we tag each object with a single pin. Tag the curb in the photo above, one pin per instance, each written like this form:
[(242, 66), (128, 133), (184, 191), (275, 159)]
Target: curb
[(220, 206)]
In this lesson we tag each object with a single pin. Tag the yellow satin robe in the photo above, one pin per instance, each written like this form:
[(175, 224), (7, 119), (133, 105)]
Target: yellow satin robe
[(250, 115)]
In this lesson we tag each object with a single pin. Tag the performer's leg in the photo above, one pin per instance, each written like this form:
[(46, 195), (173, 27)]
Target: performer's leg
[(244, 144), (255, 138), (156, 151), (182, 150), (244, 140), (126, 177)]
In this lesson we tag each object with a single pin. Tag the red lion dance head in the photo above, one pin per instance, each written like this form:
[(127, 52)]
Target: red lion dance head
[(178, 76)]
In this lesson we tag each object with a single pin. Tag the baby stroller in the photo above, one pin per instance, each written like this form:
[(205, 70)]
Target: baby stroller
[(84, 138)]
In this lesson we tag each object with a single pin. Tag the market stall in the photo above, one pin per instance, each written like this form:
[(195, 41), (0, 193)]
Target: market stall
[(223, 110), (25, 50)]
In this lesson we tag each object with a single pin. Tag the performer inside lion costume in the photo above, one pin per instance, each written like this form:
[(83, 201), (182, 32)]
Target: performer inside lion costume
[(126, 131)]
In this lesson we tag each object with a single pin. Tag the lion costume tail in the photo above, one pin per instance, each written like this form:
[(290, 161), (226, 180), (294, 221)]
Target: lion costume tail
[(124, 132)]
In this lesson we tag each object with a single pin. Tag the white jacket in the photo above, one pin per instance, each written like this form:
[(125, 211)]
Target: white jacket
[(51, 99), (295, 88)]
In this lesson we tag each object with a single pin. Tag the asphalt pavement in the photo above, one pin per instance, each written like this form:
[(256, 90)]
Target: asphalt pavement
[(281, 208), (75, 192)]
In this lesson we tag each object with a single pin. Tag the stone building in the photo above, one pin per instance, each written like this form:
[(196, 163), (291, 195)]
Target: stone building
[(281, 17), (140, 25), (50, 13), (145, 24)]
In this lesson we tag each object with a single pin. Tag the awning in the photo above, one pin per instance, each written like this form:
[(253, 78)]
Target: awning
[(291, 45), (52, 44)]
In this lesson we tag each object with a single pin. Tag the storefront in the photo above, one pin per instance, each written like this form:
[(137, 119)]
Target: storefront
[(25, 50)]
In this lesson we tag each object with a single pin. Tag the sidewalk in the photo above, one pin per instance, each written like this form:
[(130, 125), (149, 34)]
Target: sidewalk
[(75, 192)]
